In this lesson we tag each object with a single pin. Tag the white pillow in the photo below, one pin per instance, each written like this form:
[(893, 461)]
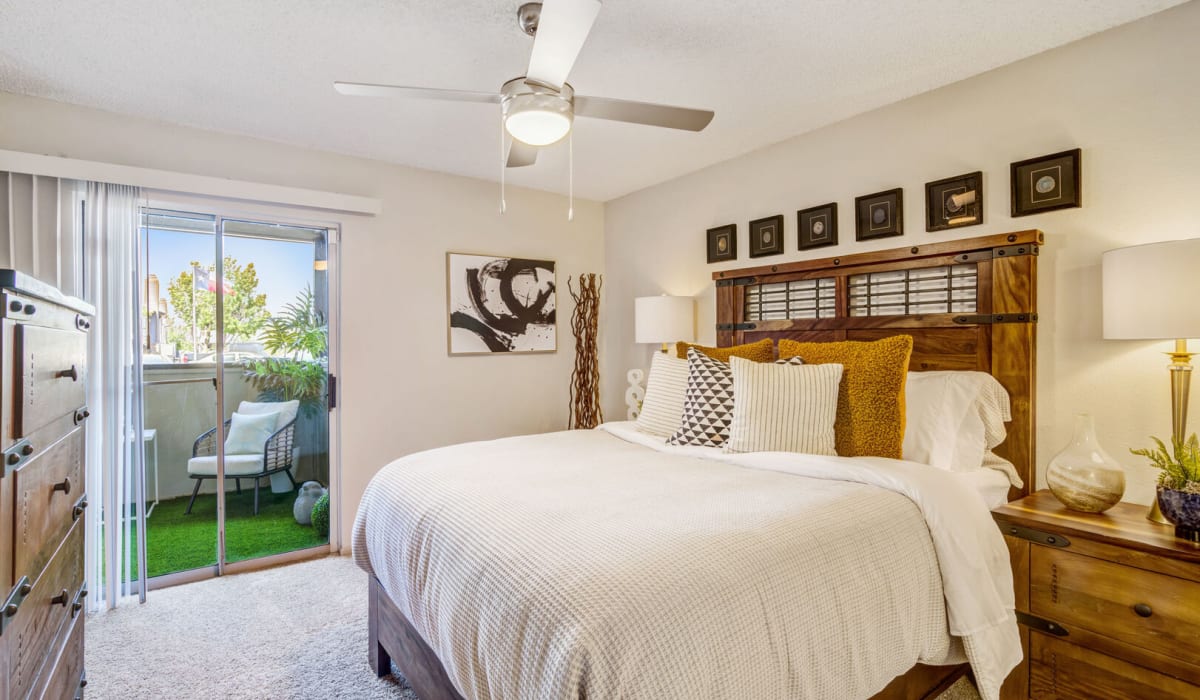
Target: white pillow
[(662, 406), (954, 418), (248, 433), (783, 407), (286, 409)]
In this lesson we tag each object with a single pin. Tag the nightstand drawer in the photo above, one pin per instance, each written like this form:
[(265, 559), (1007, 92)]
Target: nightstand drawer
[(1152, 611), (1062, 671)]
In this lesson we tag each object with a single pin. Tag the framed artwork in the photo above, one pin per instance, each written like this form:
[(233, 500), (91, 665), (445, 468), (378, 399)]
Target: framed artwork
[(766, 236), (954, 202), (879, 215), (499, 304), (722, 243), (817, 226), (1046, 183)]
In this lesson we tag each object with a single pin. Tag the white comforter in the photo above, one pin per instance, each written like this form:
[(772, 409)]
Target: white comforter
[(603, 564)]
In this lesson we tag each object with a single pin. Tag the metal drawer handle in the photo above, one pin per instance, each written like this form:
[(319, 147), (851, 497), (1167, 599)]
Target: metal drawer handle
[(64, 486), (73, 373), (1143, 610), (60, 599)]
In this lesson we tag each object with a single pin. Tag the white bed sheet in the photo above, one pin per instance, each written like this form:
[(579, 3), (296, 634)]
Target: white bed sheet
[(991, 484)]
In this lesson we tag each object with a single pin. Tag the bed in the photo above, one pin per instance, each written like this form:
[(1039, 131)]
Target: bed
[(596, 564)]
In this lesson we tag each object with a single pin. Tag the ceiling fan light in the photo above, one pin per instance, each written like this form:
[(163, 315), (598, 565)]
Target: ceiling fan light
[(537, 128), (537, 119)]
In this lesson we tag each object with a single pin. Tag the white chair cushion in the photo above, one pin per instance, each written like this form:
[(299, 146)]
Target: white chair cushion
[(235, 465), (249, 434), (286, 409)]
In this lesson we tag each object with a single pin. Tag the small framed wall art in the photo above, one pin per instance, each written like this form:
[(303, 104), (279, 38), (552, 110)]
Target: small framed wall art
[(500, 304), (954, 202), (1047, 183), (722, 243), (879, 215), (817, 226), (766, 236)]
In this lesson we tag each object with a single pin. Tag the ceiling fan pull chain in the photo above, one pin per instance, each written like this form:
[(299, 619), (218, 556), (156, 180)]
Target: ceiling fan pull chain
[(571, 175), (503, 166)]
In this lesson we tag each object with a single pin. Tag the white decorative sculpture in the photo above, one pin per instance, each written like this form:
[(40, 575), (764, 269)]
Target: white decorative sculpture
[(634, 394), (310, 491)]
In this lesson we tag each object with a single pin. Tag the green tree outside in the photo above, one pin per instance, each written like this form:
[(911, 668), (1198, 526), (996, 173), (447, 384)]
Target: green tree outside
[(245, 309)]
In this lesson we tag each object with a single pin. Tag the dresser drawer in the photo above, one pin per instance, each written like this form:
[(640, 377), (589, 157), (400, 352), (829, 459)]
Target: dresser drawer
[(48, 489), (63, 682), (1060, 670), (51, 368), (1153, 611), (43, 617)]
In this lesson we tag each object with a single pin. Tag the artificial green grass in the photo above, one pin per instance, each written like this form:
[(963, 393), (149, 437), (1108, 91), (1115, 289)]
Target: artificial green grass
[(180, 542)]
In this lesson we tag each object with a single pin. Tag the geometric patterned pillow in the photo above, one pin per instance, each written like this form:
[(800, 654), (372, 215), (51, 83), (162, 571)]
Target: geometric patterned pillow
[(708, 402)]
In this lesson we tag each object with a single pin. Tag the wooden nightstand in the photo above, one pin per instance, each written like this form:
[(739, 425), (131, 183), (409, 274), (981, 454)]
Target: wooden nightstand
[(1109, 603)]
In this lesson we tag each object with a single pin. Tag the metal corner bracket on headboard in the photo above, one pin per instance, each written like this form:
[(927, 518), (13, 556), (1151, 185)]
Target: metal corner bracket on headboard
[(969, 304)]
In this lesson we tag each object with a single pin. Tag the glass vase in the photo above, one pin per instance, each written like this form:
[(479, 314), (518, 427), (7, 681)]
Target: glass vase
[(1083, 476)]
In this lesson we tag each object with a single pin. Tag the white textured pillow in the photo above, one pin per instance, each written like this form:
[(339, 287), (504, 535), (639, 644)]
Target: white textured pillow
[(662, 405), (286, 409), (783, 407), (954, 418), (248, 433)]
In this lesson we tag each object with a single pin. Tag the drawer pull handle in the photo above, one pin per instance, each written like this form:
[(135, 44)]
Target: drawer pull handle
[(25, 588), (11, 609), (64, 486), (27, 449), (30, 309), (73, 373), (60, 599), (80, 506), (1143, 610)]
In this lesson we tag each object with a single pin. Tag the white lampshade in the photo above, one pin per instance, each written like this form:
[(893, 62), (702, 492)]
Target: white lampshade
[(1152, 291), (664, 319)]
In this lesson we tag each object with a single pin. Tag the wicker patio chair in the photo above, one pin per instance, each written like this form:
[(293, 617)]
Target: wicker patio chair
[(275, 457)]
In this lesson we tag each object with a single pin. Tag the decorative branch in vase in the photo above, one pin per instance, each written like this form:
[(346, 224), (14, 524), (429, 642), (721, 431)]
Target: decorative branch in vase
[(585, 379)]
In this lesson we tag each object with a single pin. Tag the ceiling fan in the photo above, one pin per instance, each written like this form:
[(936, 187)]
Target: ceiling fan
[(539, 107)]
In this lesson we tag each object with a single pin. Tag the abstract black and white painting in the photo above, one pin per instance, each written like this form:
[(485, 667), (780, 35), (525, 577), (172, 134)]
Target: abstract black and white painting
[(499, 304)]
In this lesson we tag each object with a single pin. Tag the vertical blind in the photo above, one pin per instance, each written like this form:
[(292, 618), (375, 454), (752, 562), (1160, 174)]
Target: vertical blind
[(40, 231)]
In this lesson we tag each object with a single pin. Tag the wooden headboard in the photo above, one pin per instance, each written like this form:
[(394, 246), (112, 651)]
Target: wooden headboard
[(969, 304)]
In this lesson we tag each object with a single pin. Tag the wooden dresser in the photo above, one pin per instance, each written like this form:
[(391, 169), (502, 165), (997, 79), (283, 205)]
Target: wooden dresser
[(43, 408), (1109, 603)]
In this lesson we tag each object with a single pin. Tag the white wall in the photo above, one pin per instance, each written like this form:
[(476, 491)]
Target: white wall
[(1128, 97), (400, 391)]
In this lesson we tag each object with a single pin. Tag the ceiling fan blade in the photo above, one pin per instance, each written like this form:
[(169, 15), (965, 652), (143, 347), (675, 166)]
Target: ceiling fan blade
[(562, 29), (521, 154), (642, 113), (371, 90)]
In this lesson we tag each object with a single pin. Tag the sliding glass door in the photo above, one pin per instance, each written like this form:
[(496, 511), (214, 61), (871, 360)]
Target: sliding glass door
[(236, 378)]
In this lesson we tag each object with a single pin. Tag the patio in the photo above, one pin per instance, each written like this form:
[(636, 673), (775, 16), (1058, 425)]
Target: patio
[(180, 403)]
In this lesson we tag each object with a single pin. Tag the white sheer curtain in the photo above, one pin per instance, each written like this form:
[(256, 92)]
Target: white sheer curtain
[(116, 561)]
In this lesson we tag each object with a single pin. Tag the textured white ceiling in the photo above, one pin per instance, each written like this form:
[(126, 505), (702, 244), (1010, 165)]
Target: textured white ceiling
[(769, 68)]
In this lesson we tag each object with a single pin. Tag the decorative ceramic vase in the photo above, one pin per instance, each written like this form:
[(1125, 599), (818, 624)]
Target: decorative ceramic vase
[(1183, 509), (1083, 476)]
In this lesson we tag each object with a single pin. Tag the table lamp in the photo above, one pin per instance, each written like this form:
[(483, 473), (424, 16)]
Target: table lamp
[(664, 319), (1152, 292)]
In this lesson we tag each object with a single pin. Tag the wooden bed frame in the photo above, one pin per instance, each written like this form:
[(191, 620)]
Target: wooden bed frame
[(998, 336)]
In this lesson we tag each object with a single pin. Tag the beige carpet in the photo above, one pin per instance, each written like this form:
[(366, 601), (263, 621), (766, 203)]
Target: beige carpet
[(296, 631)]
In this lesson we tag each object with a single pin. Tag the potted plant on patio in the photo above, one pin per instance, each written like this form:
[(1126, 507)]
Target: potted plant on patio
[(298, 340), (1178, 483)]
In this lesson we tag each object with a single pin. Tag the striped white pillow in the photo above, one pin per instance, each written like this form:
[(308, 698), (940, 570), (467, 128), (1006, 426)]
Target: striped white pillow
[(783, 407), (662, 406)]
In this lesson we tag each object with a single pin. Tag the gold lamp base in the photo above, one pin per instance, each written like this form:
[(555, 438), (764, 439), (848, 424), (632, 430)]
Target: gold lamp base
[(1181, 379), (1155, 515)]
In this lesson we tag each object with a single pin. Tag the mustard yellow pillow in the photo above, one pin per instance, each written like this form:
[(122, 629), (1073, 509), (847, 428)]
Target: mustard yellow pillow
[(762, 351), (870, 413)]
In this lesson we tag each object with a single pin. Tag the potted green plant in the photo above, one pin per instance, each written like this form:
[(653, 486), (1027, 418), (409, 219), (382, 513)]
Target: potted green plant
[(298, 340), (1178, 483)]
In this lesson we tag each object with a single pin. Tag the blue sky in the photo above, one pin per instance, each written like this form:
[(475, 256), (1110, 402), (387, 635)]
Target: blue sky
[(284, 267)]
